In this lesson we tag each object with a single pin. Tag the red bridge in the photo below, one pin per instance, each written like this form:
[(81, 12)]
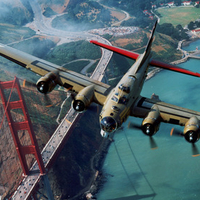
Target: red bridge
[(45, 159)]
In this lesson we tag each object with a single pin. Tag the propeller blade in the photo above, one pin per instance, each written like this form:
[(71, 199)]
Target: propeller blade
[(175, 132), (93, 108), (72, 95), (195, 151), (153, 144), (47, 101), (131, 125), (27, 83)]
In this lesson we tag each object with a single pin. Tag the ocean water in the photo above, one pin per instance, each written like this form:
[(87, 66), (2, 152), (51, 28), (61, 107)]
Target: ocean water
[(134, 171), (192, 46)]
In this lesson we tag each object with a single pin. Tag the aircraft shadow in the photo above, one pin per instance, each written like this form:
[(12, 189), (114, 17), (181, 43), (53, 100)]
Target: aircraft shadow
[(135, 197)]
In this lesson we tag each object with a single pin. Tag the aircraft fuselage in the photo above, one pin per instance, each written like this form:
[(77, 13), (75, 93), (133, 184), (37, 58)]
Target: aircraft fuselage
[(123, 97)]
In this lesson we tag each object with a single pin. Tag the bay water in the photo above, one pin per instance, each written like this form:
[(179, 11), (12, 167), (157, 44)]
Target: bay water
[(133, 170)]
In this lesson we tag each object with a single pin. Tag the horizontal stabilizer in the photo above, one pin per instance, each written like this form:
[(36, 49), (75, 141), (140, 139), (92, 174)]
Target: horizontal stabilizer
[(120, 51)]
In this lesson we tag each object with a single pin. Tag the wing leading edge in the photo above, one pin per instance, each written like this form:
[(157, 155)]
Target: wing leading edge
[(169, 113), (69, 79)]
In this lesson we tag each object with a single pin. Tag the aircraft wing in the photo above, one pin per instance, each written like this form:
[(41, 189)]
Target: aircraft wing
[(168, 113), (134, 56), (71, 80)]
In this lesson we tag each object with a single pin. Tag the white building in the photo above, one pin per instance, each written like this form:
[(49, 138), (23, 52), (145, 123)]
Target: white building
[(170, 3), (187, 3)]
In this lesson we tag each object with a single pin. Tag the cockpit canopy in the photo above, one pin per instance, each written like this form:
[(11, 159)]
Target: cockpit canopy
[(123, 100), (124, 88), (115, 98), (119, 99)]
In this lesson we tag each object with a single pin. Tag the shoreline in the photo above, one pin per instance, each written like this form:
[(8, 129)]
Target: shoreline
[(188, 42)]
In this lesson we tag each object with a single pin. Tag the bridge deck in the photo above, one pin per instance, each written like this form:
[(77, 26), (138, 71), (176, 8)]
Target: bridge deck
[(62, 132)]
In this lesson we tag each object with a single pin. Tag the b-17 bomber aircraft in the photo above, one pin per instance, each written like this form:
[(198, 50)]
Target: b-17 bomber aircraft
[(119, 102)]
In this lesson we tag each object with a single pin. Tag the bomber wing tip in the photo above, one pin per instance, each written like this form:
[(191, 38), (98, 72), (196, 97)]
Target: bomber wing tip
[(93, 41)]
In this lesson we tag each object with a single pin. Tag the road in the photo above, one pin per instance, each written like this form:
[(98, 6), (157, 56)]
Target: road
[(127, 16)]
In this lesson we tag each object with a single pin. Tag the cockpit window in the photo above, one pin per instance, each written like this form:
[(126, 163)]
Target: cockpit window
[(124, 88), (123, 100), (115, 99)]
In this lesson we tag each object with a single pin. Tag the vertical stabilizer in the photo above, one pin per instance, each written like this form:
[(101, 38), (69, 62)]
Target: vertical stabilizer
[(147, 53), (148, 47)]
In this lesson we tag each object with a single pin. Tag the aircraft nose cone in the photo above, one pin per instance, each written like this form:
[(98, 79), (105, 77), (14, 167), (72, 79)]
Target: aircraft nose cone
[(108, 124)]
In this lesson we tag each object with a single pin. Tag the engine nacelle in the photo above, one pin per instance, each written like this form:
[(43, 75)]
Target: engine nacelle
[(192, 131), (47, 83), (151, 123), (83, 98)]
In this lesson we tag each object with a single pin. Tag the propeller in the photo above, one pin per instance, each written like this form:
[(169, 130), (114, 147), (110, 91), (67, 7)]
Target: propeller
[(72, 96), (47, 101), (152, 141), (195, 151), (28, 84), (153, 144), (93, 108), (175, 132)]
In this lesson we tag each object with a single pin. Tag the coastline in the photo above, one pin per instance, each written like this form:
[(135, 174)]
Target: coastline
[(188, 42)]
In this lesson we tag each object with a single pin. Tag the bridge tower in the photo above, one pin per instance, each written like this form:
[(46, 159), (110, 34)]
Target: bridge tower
[(15, 127)]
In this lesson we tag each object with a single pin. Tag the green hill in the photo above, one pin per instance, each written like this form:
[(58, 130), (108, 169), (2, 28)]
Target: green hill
[(18, 13), (83, 16)]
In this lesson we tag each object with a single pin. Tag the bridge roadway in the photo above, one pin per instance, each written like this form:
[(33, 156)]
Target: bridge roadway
[(58, 139)]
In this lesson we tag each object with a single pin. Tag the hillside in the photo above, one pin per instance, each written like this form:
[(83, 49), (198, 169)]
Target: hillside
[(65, 53), (83, 16), (78, 15), (52, 7), (137, 7), (11, 33), (16, 12)]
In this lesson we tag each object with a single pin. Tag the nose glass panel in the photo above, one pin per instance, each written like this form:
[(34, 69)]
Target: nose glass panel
[(108, 124)]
